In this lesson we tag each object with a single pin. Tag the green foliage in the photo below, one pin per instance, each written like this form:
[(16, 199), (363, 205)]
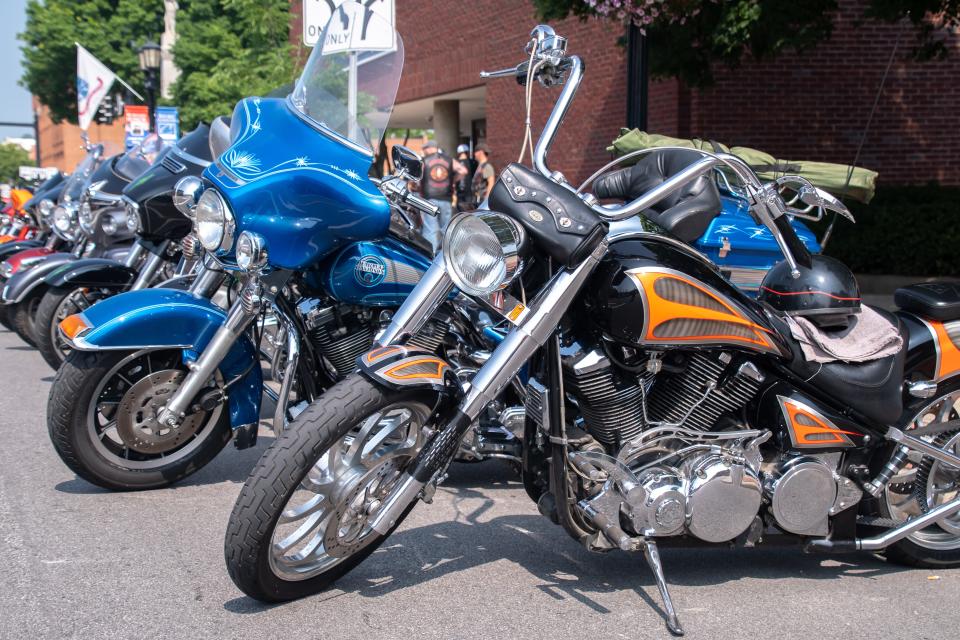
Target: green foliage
[(104, 27), (904, 231), (687, 37), (227, 50), (12, 157)]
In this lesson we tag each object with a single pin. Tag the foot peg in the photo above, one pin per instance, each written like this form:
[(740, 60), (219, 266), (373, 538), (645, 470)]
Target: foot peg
[(653, 559)]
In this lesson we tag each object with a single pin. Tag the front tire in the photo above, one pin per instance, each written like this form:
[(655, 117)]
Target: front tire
[(314, 459), (99, 419), (23, 316)]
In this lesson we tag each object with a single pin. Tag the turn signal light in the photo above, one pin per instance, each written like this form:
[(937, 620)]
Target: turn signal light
[(74, 325)]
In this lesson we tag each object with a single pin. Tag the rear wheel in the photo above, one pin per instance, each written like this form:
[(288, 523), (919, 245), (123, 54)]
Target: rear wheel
[(923, 484), (101, 415), (23, 316), (57, 304), (303, 517)]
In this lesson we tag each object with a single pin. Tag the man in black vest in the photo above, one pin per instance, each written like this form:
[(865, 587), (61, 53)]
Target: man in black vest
[(440, 174)]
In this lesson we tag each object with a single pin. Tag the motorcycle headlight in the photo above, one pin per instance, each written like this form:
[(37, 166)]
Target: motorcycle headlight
[(86, 217), (186, 195), (109, 225), (251, 251), (65, 218), (482, 252), (213, 222), (46, 209)]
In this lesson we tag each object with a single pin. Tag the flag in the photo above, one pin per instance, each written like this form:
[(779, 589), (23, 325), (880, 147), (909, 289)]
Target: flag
[(93, 82)]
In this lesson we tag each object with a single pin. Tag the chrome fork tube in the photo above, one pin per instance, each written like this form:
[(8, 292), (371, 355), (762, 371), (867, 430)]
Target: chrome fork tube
[(505, 362), (147, 272), (289, 371), (207, 282), (134, 256), (419, 306), (239, 317)]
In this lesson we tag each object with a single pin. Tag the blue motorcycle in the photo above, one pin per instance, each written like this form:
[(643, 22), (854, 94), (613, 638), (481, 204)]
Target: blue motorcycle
[(159, 380)]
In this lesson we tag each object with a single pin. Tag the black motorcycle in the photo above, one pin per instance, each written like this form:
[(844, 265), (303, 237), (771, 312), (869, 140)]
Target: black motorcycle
[(664, 406)]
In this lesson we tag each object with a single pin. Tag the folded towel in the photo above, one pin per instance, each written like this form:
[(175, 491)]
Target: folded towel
[(869, 336)]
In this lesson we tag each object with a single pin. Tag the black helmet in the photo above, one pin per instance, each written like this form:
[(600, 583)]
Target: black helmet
[(827, 292)]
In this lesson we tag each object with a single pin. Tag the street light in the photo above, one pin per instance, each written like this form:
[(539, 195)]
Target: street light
[(150, 55)]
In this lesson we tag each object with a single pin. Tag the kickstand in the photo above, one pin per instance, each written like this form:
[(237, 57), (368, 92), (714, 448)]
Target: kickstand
[(653, 559)]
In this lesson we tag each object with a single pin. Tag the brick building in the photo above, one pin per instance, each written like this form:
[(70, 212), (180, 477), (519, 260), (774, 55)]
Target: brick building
[(812, 106)]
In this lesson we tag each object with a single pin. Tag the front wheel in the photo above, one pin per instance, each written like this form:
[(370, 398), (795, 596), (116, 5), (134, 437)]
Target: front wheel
[(101, 415), (23, 316), (57, 304), (303, 516)]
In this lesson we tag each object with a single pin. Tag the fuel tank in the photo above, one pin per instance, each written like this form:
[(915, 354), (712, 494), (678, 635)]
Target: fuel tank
[(152, 190), (304, 191), (654, 291), (380, 274)]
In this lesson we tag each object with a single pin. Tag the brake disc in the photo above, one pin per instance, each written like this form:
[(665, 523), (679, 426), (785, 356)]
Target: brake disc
[(347, 530), (137, 423)]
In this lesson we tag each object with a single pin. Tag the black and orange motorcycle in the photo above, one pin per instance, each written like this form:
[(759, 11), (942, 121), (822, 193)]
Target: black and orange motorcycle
[(663, 406)]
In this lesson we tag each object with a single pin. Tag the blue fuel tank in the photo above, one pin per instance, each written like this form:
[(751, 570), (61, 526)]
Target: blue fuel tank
[(378, 274)]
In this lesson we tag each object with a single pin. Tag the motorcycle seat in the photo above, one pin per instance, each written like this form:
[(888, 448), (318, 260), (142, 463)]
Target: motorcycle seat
[(871, 388), (934, 300), (687, 212)]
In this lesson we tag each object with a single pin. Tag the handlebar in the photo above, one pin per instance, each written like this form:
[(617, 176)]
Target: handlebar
[(420, 203), (395, 188)]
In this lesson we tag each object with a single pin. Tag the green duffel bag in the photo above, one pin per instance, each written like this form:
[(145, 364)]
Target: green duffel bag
[(836, 179)]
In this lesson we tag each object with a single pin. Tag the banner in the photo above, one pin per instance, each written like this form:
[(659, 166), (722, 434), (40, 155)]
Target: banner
[(93, 82), (137, 127), (168, 124)]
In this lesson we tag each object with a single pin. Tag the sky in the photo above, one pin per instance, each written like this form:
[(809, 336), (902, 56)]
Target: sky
[(15, 100)]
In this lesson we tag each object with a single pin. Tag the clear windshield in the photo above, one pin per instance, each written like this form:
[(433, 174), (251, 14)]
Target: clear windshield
[(350, 81), (139, 158), (77, 182)]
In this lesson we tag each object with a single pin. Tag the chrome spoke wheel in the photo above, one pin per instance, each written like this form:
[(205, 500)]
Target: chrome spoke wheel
[(924, 483), (121, 417), (327, 518)]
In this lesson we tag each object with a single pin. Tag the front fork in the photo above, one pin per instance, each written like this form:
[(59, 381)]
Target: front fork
[(517, 348)]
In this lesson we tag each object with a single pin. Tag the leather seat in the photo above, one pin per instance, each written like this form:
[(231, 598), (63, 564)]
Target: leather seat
[(685, 213), (935, 300), (871, 388)]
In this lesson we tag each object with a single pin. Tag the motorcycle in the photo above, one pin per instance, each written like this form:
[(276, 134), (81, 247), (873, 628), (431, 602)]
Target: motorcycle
[(664, 405), (87, 223), (160, 380), (155, 255)]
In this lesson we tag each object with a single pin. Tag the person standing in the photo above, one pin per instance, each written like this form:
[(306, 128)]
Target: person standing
[(484, 176), (440, 174), (465, 184)]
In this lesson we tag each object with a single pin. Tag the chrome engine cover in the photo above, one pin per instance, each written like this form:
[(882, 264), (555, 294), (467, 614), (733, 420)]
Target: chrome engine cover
[(802, 492), (723, 497), (657, 505)]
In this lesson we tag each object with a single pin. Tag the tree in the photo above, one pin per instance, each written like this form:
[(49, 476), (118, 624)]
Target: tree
[(105, 27), (12, 157), (227, 50), (687, 37)]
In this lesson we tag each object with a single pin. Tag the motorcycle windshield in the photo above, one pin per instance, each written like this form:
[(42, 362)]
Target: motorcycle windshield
[(139, 158), (77, 182), (349, 84)]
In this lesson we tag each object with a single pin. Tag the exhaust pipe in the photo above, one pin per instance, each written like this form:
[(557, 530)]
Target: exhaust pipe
[(887, 538)]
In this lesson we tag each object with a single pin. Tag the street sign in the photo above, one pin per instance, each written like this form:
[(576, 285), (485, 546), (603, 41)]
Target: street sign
[(137, 127), (168, 124), (316, 14)]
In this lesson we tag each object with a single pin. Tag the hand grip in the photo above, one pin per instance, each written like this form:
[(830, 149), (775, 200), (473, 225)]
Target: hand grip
[(423, 205)]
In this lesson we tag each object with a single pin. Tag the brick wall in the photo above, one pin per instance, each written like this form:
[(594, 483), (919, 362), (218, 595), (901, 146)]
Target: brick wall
[(61, 144), (449, 43)]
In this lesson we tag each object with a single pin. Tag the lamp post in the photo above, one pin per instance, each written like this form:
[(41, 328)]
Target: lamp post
[(150, 55)]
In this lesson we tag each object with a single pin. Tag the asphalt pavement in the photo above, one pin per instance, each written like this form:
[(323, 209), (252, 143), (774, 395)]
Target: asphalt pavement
[(480, 562)]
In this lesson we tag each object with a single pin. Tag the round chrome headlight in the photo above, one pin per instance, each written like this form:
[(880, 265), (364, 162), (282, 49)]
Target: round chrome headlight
[(251, 251), (46, 209), (186, 195), (65, 218), (213, 222), (109, 225), (482, 252), (86, 217)]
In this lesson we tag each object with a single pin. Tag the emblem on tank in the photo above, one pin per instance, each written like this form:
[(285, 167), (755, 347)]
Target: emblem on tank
[(370, 271)]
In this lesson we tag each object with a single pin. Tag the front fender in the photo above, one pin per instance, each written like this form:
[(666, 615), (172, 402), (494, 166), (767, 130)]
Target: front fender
[(92, 272), (23, 282), (172, 319), (399, 367), (7, 249)]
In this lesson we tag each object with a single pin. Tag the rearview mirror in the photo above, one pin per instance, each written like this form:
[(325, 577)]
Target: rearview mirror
[(407, 163)]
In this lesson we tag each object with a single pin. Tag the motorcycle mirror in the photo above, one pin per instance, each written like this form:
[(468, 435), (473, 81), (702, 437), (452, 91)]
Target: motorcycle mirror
[(407, 162)]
